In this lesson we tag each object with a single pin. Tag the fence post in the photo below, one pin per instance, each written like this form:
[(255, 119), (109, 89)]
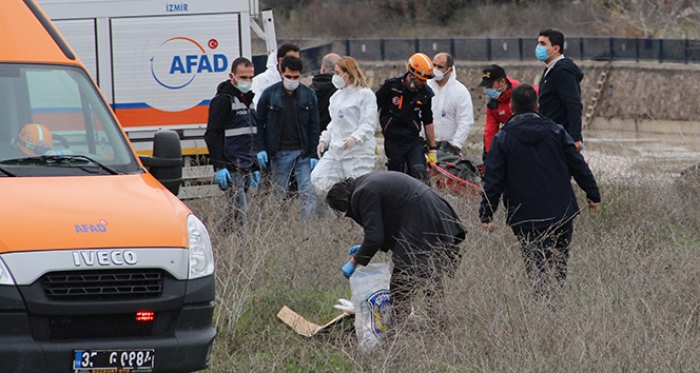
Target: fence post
[(382, 49), (637, 52), (661, 50), (416, 45), (452, 47), (612, 49), (488, 49), (581, 47), (520, 48), (347, 47), (687, 50)]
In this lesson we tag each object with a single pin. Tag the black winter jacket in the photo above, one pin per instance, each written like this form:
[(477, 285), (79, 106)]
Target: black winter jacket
[(402, 113), (401, 214), (270, 112), (231, 129), (324, 88), (530, 163), (560, 96)]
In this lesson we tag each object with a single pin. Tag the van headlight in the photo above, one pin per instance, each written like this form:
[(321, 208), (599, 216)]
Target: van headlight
[(5, 276), (201, 253)]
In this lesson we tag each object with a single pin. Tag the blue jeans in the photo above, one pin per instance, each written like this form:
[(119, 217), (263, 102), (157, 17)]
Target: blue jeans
[(282, 165), (237, 206)]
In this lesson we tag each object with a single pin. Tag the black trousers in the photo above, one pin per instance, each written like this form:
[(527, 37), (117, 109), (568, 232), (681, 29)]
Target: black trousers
[(546, 253), (407, 156), (429, 279)]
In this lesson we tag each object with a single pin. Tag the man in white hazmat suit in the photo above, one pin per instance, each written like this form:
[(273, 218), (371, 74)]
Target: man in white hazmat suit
[(349, 141), (272, 75), (453, 114)]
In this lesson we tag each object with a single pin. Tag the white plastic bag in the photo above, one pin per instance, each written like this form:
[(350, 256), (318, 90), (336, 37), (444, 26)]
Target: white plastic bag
[(370, 298)]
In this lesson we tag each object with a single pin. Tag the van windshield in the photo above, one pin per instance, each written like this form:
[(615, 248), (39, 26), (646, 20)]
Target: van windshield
[(53, 122)]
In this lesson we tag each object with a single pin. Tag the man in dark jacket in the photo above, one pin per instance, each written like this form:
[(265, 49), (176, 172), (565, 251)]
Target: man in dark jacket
[(230, 137), (288, 133), (401, 214), (530, 163), (560, 86), (405, 107), (324, 88)]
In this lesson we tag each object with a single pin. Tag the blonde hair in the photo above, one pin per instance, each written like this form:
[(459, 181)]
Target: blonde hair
[(355, 76)]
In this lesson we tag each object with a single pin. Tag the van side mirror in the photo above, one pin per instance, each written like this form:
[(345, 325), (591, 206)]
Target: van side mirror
[(166, 163)]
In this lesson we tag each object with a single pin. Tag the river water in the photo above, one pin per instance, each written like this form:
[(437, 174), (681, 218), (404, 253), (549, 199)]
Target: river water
[(634, 155)]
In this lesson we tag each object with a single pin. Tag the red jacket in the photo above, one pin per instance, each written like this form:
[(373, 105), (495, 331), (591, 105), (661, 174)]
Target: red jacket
[(495, 118)]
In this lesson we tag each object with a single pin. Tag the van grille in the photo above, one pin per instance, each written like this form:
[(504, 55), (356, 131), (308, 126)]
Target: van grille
[(103, 284), (54, 328)]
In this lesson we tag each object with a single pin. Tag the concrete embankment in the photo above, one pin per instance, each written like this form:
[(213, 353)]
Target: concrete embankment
[(648, 97)]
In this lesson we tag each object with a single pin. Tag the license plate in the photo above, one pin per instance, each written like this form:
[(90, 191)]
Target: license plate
[(113, 361)]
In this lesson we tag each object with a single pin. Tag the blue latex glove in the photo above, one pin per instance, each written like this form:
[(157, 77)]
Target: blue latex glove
[(262, 159), (353, 250), (255, 179), (222, 177), (314, 162), (348, 269)]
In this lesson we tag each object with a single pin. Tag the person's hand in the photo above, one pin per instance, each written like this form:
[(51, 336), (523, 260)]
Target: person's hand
[(593, 206), (313, 163), (579, 145), (349, 142), (348, 269), (262, 159), (432, 157), (489, 227), (456, 149), (353, 250), (321, 148), (255, 179), (222, 177)]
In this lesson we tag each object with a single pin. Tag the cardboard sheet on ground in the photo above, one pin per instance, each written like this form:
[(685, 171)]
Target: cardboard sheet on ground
[(303, 326)]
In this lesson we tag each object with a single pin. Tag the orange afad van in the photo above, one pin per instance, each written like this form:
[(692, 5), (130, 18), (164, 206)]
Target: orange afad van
[(102, 268)]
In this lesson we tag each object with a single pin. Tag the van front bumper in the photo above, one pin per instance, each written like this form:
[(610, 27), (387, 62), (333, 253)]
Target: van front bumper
[(46, 343)]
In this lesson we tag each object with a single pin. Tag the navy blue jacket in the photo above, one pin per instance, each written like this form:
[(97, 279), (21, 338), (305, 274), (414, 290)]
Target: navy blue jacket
[(400, 117), (270, 120), (231, 129), (530, 163), (560, 96)]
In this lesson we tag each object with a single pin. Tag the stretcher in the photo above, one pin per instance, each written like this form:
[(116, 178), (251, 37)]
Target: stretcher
[(458, 174)]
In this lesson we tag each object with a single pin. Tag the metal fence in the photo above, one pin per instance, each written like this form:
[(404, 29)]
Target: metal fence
[(487, 49)]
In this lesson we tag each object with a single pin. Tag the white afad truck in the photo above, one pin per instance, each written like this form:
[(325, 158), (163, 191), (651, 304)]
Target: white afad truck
[(159, 62)]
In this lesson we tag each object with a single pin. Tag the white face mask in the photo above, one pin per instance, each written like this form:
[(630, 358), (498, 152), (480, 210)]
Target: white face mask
[(290, 85), (439, 75), (242, 86), (338, 81)]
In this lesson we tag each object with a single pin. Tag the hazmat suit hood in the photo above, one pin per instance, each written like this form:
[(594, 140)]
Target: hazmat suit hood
[(272, 60)]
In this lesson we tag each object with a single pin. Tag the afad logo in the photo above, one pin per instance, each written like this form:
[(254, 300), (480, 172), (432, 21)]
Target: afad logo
[(100, 227), (179, 60)]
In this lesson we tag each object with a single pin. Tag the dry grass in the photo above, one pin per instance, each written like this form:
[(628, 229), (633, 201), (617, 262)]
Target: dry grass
[(341, 19), (630, 304)]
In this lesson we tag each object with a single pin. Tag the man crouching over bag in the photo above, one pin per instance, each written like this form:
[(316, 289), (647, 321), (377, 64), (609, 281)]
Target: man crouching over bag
[(401, 214)]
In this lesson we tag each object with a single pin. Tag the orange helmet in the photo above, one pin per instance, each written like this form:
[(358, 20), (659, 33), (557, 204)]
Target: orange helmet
[(34, 139), (421, 66)]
